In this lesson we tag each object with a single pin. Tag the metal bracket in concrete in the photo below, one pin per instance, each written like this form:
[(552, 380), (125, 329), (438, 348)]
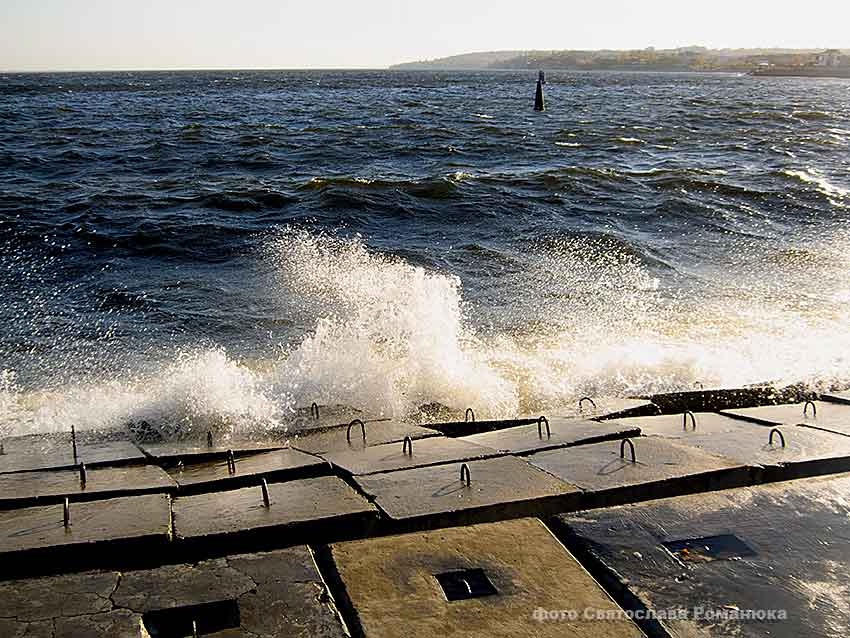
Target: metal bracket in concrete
[(662, 468), (26, 489), (35, 538), (408, 454), (556, 433), (309, 509), (399, 578), (286, 464), (789, 539), (498, 488)]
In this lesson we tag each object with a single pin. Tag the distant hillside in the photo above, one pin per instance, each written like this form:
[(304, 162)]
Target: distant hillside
[(466, 61), (694, 58)]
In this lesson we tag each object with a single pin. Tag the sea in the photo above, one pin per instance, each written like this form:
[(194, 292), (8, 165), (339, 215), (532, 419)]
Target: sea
[(222, 248)]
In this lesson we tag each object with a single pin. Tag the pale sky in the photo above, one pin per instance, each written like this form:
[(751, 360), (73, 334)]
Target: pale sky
[(213, 34)]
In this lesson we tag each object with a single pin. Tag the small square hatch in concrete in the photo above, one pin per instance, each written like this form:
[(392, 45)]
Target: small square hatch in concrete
[(556, 433), (463, 584), (709, 548), (23, 489), (205, 476), (791, 537), (318, 507), (37, 537), (407, 454), (440, 494), (660, 468), (391, 588)]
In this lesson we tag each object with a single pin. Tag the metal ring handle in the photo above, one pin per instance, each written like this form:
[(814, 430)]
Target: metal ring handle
[(231, 462), (469, 413), (685, 416), (74, 441), (698, 384), (66, 514), (209, 438), (540, 423), (351, 425), (314, 410), (83, 475), (806, 408), (581, 404), (465, 476), (265, 487), (631, 449), (407, 446), (781, 437)]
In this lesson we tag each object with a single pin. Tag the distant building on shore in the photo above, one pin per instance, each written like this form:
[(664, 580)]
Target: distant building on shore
[(830, 58)]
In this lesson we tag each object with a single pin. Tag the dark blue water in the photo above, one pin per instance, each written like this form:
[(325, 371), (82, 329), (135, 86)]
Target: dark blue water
[(225, 245)]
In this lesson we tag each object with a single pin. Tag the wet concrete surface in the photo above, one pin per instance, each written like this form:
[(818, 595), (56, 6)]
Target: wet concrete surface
[(188, 451), (26, 489), (506, 487), (472, 426), (276, 594), (392, 588), (398, 456), (56, 450), (662, 467), (833, 417), (377, 433), (606, 408), (322, 506), (683, 426), (135, 523), (799, 534), (205, 476), (562, 432), (838, 397)]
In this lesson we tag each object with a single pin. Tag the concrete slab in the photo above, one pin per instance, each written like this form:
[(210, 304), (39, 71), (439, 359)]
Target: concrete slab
[(797, 534), (503, 487), (468, 428), (275, 594), (837, 397), (36, 537), (170, 453), (329, 416), (318, 507), (24, 489), (392, 587), (662, 468), (605, 408), (682, 426), (792, 452), (723, 398), (398, 456), (377, 433), (833, 417), (56, 450), (561, 433), (287, 464)]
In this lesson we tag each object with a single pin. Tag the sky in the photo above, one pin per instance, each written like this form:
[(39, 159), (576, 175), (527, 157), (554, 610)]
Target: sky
[(218, 34)]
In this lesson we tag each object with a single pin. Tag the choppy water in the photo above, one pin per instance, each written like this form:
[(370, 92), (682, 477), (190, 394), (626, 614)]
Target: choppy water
[(196, 247)]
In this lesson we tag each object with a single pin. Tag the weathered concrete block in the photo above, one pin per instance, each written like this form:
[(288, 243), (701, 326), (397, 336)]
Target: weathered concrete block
[(498, 488), (780, 547), (560, 433), (661, 468), (323, 507), (392, 588), (169, 453), (603, 408), (833, 417), (36, 538), (837, 397), (340, 439), (205, 476), (683, 425), (25, 489), (397, 456), (56, 450)]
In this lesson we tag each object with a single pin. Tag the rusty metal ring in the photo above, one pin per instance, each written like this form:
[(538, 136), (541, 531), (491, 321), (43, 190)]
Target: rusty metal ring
[(581, 404), (66, 513), (209, 438), (540, 423), (407, 446), (265, 487), (806, 408), (685, 420), (83, 475), (465, 476), (351, 425), (231, 462), (469, 413), (314, 411), (781, 437), (631, 449)]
